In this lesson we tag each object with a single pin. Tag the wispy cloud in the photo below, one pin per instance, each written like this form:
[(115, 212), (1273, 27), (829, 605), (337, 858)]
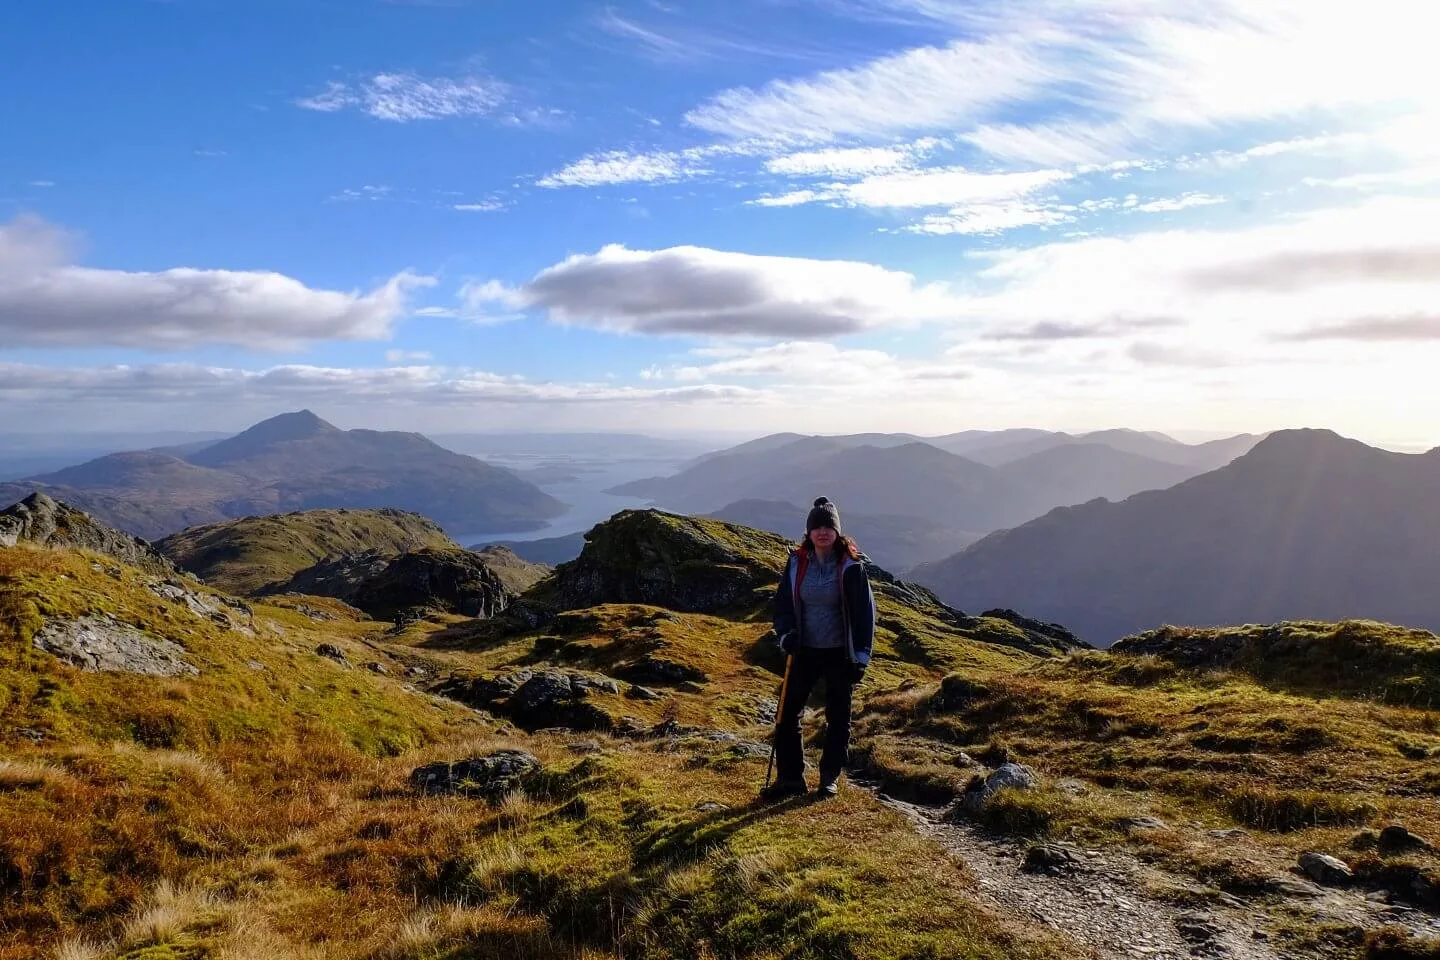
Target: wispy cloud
[(403, 97), (42, 183), (959, 82), (440, 386), (480, 206), (1182, 202), (407, 356), (619, 166), (47, 301), (849, 161), (1098, 80)]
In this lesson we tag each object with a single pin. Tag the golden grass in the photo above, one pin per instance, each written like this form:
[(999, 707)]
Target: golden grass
[(30, 775)]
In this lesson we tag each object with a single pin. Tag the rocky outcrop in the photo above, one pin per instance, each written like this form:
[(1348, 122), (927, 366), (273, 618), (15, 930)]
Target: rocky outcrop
[(491, 776), (392, 587), (45, 522), (682, 563), (102, 644), (223, 611), (537, 699)]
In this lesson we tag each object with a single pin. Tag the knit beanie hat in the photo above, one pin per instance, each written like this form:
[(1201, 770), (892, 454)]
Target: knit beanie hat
[(823, 514)]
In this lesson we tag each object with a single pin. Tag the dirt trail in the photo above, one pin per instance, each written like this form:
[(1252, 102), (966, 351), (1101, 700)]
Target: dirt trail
[(1124, 909)]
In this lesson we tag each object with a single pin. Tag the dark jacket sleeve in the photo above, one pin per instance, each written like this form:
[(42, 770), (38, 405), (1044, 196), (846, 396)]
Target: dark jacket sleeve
[(861, 602), (784, 609)]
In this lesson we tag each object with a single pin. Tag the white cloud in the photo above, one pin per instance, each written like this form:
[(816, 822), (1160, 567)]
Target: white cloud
[(48, 301), (403, 97), (406, 356), (482, 206), (794, 198), (796, 360), (139, 385), (42, 183), (1343, 271), (619, 166), (978, 202), (695, 290), (1182, 202), (849, 161), (987, 218), (945, 186)]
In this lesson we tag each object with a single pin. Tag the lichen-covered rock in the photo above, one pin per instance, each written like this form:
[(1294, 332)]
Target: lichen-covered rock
[(45, 522), (1009, 776), (491, 776), (1326, 870), (331, 652), (103, 644), (652, 669), (554, 699), (223, 611)]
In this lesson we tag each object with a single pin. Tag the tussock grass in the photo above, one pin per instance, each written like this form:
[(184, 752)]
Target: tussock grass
[(78, 950), (1287, 810), (30, 775), (167, 912)]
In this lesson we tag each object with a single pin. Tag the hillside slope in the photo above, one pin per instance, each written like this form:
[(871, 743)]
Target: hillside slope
[(1306, 526), (242, 556)]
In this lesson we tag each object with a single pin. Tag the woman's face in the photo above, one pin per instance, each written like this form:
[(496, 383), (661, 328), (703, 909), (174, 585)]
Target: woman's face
[(823, 537)]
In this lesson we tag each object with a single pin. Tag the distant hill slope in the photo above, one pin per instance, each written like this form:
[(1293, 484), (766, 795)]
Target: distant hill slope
[(1307, 525), (900, 476), (242, 556), (293, 462), (896, 542), (1079, 472), (913, 479), (546, 550), (1009, 446)]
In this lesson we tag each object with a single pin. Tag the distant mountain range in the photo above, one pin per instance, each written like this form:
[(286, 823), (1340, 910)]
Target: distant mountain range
[(295, 461), (1306, 525), (894, 542), (974, 481)]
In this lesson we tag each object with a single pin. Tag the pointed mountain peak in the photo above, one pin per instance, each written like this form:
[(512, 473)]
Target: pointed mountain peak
[(286, 428), (299, 425)]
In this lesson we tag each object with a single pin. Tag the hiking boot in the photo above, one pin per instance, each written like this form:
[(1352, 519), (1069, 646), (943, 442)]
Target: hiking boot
[(783, 790), (829, 786)]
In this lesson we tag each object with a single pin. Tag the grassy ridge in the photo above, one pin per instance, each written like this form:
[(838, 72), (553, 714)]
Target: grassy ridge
[(241, 556)]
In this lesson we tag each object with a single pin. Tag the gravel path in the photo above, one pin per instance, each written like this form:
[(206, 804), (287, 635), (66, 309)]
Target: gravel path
[(1100, 903)]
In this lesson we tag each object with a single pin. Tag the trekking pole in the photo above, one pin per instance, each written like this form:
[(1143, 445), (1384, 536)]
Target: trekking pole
[(779, 709)]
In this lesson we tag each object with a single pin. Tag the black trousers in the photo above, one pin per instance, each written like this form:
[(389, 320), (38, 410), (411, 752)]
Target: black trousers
[(811, 666)]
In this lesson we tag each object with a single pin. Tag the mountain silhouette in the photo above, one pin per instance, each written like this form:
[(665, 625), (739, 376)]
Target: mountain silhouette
[(1307, 525)]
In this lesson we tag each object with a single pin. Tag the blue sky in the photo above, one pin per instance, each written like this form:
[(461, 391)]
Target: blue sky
[(826, 215)]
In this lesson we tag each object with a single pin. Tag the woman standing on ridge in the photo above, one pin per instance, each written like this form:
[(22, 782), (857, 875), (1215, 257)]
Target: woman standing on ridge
[(825, 624)]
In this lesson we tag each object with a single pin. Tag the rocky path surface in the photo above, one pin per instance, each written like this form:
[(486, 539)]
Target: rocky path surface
[(1123, 909)]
